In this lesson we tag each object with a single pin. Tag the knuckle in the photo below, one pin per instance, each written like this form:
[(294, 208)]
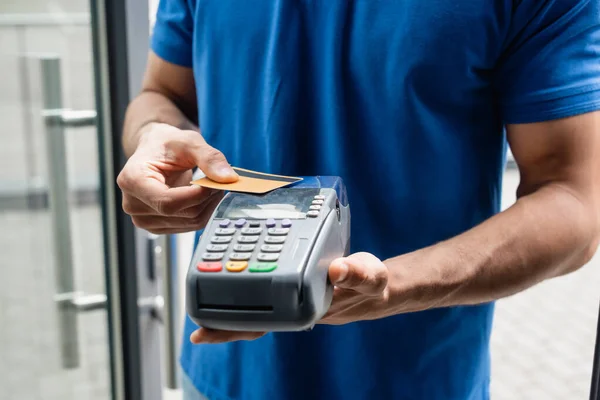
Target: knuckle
[(380, 285), (188, 213), (198, 219), (126, 205), (165, 206), (137, 222), (213, 155), (194, 213), (381, 280), (123, 179), (372, 282), (360, 278)]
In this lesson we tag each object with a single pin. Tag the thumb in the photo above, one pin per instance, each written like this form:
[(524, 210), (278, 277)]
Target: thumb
[(212, 162), (362, 272)]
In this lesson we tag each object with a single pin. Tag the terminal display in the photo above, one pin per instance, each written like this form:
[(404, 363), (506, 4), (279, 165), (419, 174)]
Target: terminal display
[(280, 203)]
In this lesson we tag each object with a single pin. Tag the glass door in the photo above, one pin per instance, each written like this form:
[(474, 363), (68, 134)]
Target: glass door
[(54, 326), (53, 319)]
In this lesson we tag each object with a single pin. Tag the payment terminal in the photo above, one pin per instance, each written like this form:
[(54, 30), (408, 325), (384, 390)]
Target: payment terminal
[(262, 261)]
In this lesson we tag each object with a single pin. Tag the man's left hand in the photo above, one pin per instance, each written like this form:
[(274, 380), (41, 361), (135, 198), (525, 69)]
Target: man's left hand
[(360, 293)]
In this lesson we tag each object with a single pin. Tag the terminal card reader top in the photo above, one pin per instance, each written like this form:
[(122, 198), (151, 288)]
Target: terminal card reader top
[(262, 261)]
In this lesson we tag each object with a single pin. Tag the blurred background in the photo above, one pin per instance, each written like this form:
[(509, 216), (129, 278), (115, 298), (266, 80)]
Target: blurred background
[(51, 136)]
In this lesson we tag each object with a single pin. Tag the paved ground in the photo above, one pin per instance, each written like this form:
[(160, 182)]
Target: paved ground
[(544, 338)]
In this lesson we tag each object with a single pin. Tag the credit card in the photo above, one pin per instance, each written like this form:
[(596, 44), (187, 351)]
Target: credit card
[(249, 182)]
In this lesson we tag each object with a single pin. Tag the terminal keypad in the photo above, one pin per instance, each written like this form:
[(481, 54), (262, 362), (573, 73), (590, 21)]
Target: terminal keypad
[(235, 242)]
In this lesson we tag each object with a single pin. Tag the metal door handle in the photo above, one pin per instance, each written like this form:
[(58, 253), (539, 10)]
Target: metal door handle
[(69, 301)]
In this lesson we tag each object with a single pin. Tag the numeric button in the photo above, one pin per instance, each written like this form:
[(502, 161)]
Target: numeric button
[(251, 231), (247, 239), (271, 248), (224, 231), (319, 197), (244, 247), (267, 257), (219, 248), (220, 239), (313, 213), (212, 256), (239, 256), (275, 239), (278, 231), (317, 202)]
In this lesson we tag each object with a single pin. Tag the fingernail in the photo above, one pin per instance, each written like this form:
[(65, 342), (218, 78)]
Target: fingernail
[(226, 171), (343, 272), (195, 337)]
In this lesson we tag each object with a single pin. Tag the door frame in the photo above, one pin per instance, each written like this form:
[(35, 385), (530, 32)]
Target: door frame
[(595, 385), (121, 34)]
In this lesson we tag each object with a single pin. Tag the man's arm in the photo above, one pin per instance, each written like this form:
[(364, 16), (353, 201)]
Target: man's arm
[(168, 96), (552, 229), (163, 145)]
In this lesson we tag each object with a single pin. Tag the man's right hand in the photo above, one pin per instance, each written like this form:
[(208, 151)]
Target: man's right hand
[(156, 180)]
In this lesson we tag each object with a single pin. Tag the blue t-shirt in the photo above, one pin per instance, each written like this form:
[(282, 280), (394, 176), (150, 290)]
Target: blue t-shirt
[(406, 100)]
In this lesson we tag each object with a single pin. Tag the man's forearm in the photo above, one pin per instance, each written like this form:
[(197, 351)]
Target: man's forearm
[(147, 108), (543, 235)]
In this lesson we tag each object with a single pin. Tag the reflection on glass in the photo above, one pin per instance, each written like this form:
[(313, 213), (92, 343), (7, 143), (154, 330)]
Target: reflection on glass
[(280, 203), (266, 211), (32, 359)]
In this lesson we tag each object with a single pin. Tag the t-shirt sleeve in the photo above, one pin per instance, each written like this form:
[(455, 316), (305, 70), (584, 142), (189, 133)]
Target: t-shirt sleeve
[(172, 34), (550, 66)]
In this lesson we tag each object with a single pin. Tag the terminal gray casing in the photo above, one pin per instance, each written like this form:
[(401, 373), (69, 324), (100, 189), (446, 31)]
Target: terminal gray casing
[(294, 296)]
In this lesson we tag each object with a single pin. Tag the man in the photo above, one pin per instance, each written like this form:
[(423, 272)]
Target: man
[(411, 102)]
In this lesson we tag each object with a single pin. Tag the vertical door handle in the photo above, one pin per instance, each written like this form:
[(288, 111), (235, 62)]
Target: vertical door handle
[(58, 190), (69, 301)]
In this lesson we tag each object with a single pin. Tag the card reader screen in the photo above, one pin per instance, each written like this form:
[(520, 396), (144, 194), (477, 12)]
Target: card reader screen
[(282, 203)]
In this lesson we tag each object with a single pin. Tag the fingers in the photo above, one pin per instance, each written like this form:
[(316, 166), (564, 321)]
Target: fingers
[(136, 207), (176, 148), (170, 225), (205, 335), (145, 193), (163, 199), (360, 272), (212, 162)]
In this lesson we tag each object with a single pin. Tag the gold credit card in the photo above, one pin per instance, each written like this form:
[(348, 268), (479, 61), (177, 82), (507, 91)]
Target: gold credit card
[(249, 182)]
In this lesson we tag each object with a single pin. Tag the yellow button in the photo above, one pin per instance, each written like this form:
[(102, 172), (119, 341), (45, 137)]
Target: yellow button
[(236, 266)]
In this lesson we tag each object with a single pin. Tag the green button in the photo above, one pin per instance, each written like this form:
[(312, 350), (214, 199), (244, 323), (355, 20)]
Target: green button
[(263, 267)]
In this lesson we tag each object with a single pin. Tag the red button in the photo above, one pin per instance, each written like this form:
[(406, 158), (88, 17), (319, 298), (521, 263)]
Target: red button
[(209, 267)]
